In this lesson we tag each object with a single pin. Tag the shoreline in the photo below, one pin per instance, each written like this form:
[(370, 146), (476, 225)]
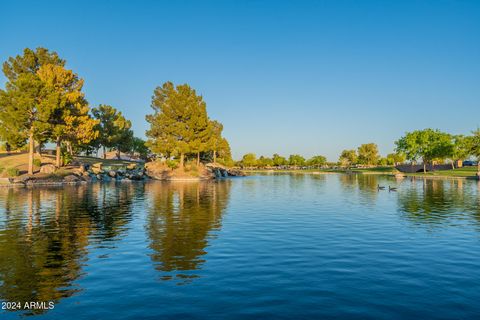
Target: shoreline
[(399, 175), (32, 182)]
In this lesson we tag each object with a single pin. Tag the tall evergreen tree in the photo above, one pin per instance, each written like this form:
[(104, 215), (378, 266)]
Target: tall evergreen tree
[(25, 108), (179, 124), (114, 129)]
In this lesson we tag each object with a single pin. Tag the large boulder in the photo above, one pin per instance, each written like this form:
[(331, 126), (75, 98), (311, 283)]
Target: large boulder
[(97, 168), (131, 166), (48, 168), (82, 168)]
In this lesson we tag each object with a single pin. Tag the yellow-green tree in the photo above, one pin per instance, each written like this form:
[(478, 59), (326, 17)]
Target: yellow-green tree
[(368, 154), (70, 121), (348, 158), (474, 143)]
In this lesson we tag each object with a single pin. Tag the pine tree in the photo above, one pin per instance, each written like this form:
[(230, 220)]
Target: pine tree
[(25, 108), (180, 123), (114, 129)]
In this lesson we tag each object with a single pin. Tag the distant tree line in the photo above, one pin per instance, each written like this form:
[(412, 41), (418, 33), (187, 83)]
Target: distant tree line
[(367, 155), (250, 160), (43, 102), (428, 146)]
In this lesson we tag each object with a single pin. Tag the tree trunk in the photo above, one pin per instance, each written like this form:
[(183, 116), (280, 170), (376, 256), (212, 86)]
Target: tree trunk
[(70, 148), (182, 156), (478, 169), (424, 167), (118, 154), (214, 156), (58, 160), (104, 152), (31, 151), (198, 159), (453, 165)]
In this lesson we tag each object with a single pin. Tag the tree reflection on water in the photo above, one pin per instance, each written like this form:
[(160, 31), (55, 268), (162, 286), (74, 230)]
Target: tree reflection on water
[(180, 223), (45, 234), (438, 201)]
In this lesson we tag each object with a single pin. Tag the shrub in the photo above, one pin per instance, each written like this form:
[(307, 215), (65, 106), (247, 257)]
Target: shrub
[(1, 170), (172, 164), (37, 162), (13, 172), (67, 157)]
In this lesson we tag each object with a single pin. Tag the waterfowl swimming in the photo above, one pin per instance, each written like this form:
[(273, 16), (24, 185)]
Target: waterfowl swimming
[(379, 187), (392, 188)]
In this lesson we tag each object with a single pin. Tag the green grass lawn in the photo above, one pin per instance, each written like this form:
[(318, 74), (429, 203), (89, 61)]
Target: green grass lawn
[(460, 172), (20, 161), (105, 162)]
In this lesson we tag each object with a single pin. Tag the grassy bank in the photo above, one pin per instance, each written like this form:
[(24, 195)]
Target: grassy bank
[(466, 172), (19, 161)]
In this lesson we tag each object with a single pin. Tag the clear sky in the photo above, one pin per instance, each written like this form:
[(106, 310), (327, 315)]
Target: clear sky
[(308, 77)]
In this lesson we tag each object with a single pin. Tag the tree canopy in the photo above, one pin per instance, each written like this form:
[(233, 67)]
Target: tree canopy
[(427, 145), (114, 129), (348, 158), (27, 105), (368, 154), (180, 124)]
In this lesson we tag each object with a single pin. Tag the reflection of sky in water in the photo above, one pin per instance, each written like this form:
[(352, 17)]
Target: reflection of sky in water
[(270, 245)]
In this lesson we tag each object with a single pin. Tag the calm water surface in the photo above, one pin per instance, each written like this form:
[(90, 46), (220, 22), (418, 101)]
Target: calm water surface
[(260, 247)]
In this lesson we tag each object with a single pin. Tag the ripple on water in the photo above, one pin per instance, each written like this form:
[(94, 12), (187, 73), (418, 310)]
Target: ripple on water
[(275, 246)]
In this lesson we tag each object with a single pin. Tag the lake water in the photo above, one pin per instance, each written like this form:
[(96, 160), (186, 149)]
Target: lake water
[(260, 247)]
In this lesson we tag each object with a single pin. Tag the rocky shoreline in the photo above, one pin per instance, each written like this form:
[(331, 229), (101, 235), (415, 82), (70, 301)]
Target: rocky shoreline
[(84, 173)]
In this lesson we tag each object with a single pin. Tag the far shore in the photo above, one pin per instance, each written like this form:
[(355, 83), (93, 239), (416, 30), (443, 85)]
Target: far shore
[(458, 173)]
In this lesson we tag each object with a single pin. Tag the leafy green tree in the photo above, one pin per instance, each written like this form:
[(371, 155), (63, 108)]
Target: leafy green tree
[(249, 160), (348, 158), (383, 161), (179, 124), (427, 144), (296, 160), (395, 158), (317, 161), (368, 154), (474, 143), (25, 108), (279, 160), (461, 149), (114, 129), (265, 161), (125, 143), (140, 148)]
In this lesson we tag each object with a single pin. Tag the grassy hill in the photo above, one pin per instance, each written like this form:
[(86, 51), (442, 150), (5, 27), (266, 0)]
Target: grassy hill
[(19, 161)]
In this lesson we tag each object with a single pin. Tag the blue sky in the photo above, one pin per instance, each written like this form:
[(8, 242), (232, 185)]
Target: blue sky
[(308, 77)]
